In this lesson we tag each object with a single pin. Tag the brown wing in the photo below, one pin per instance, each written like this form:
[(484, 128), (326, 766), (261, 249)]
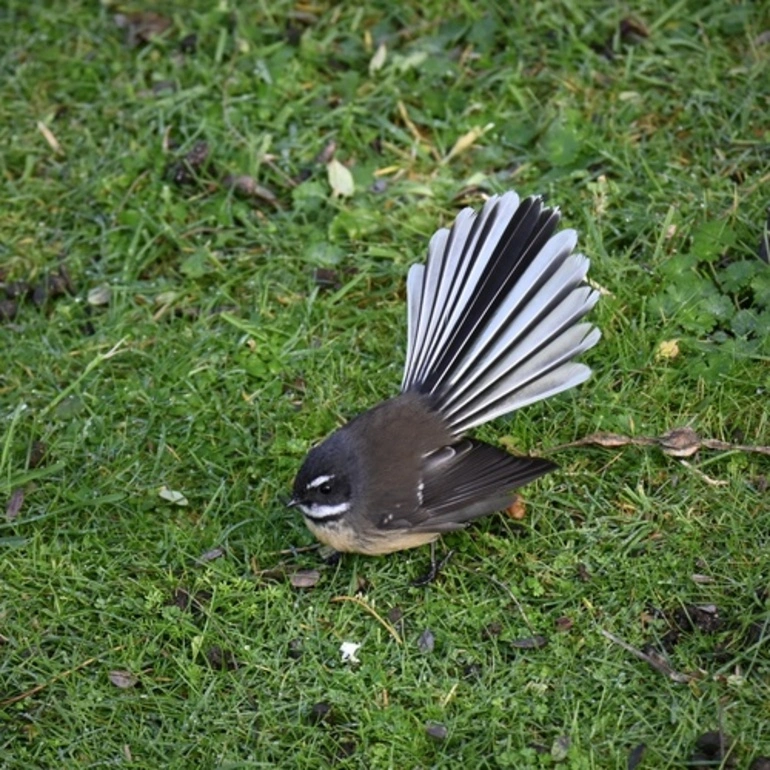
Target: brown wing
[(467, 480)]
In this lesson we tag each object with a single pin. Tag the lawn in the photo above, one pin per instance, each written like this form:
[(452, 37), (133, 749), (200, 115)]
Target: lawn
[(208, 211)]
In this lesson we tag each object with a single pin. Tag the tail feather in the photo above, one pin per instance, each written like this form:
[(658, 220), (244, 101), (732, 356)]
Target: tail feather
[(493, 314), (456, 261)]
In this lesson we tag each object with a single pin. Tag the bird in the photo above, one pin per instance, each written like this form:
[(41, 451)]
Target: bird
[(494, 321)]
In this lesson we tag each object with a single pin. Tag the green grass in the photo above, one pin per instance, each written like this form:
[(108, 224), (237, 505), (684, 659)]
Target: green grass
[(218, 360)]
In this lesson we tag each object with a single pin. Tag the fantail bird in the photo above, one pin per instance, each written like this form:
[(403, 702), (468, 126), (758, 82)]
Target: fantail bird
[(493, 325)]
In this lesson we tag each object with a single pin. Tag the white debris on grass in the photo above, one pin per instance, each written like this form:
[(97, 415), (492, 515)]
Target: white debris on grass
[(348, 651)]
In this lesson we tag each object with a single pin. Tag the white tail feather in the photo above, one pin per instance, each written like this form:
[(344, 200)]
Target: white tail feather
[(493, 315), (414, 283), (504, 328), (463, 269), (565, 377)]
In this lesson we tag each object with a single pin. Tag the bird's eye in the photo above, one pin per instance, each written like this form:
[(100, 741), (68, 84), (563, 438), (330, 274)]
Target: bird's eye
[(325, 488)]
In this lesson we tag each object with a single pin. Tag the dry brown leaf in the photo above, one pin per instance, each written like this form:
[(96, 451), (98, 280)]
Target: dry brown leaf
[(564, 623), (679, 442), (305, 578), (654, 658), (326, 153), (123, 679), (248, 187), (517, 510), (142, 27), (467, 140), (50, 137)]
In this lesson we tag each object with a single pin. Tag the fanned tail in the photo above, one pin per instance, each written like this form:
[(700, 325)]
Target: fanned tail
[(494, 313)]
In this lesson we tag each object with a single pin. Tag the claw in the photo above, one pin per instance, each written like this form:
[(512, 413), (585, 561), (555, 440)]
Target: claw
[(435, 568)]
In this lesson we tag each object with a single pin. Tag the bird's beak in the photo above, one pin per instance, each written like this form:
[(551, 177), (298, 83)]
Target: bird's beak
[(293, 503)]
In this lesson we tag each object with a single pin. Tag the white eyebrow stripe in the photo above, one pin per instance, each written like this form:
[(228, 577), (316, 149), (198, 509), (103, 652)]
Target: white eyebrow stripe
[(318, 481), (321, 512)]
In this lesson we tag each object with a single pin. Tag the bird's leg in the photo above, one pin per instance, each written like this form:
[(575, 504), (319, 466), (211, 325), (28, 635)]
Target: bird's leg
[(435, 568), (330, 557)]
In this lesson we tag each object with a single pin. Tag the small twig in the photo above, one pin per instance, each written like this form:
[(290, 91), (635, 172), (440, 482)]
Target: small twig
[(361, 603), (295, 551), (35, 690), (678, 442), (658, 663), (703, 477)]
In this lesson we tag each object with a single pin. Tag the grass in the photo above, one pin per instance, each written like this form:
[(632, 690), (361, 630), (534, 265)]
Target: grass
[(195, 349)]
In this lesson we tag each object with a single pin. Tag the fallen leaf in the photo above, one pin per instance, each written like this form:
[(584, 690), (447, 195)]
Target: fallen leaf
[(652, 657), (214, 553), (326, 153), (611, 440), (172, 496), (14, 504), (141, 27), (99, 295), (517, 510), (49, 136), (187, 170), (221, 660), (319, 712), (680, 442), (676, 440), (467, 140), (426, 642), (667, 350), (560, 748), (248, 187), (340, 179), (325, 277), (436, 731), (304, 578), (378, 60), (123, 679), (564, 623), (635, 757), (632, 30)]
